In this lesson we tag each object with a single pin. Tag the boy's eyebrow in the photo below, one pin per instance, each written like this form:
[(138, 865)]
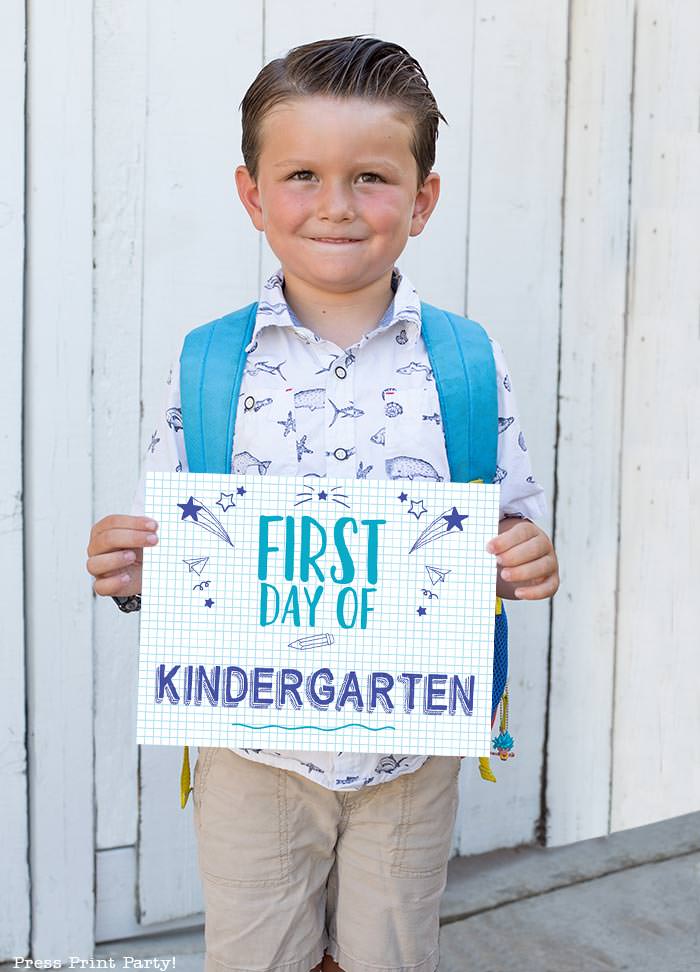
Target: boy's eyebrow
[(365, 163)]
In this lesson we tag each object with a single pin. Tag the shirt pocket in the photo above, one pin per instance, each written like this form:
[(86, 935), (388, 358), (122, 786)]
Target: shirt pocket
[(265, 436), (414, 440)]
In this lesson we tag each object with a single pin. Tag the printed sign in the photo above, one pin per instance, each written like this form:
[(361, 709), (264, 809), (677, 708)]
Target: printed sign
[(318, 614)]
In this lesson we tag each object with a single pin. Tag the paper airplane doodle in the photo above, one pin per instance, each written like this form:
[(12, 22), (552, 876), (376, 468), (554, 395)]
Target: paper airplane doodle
[(199, 514), (436, 575), (197, 565)]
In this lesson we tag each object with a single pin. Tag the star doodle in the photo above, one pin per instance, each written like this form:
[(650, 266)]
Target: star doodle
[(208, 603), (418, 509), (454, 519), (190, 508), (403, 497), (322, 494), (421, 611), (241, 490), (225, 501)]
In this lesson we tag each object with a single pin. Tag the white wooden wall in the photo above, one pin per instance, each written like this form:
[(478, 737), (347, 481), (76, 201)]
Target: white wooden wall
[(569, 224)]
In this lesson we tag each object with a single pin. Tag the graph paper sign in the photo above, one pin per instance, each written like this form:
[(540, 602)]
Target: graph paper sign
[(318, 614)]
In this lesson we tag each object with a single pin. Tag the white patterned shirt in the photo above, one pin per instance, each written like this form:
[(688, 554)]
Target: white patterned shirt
[(308, 407)]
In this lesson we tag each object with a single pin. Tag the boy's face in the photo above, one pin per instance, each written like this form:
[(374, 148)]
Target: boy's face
[(337, 190)]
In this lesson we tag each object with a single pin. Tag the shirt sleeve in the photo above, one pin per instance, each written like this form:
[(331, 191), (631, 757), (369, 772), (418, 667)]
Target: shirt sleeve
[(521, 494), (165, 449)]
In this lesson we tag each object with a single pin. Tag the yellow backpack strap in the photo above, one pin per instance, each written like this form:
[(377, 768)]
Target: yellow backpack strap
[(185, 788)]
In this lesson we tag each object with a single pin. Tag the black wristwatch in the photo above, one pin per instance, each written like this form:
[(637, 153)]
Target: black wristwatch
[(128, 604)]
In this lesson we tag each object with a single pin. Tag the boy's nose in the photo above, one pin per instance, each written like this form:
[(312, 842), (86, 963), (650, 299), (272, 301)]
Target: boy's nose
[(335, 202)]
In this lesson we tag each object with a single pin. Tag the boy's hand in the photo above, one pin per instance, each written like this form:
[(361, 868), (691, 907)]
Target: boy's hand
[(529, 569), (115, 553)]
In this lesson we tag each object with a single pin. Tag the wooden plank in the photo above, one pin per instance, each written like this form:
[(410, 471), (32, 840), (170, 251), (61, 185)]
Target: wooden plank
[(201, 259), (592, 341), (513, 270), (120, 120), (14, 890), (656, 773), (58, 473), (115, 912)]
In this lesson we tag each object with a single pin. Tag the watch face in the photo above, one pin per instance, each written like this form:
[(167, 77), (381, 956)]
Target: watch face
[(128, 604)]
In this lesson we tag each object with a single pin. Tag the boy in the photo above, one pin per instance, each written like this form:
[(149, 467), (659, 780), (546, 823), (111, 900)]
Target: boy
[(341, 851)]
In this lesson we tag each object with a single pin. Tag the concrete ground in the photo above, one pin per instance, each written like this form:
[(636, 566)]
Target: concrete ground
[(628, 901)]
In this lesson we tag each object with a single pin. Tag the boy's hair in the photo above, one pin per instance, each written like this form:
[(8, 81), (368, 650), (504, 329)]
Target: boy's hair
[(345, 67)]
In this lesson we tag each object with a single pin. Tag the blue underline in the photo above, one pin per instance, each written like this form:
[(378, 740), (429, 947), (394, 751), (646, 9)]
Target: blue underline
[(349, 725)]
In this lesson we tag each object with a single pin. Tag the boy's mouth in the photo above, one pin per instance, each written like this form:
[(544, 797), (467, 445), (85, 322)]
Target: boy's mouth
[(335, 240)]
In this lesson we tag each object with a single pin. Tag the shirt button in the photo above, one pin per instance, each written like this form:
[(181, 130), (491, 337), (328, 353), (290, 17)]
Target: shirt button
[(340, 371), (249, 403), (340, 453)]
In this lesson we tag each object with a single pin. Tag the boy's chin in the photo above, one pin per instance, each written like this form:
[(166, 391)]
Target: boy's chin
[(334, 275)]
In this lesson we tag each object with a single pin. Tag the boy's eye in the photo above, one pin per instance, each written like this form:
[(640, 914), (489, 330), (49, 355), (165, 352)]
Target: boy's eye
[(305, 174)]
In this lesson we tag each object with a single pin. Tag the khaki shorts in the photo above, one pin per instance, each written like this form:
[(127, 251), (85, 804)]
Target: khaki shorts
[(291, 869)]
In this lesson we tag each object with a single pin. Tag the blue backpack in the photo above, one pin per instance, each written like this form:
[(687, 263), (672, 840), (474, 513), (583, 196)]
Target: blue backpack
[(212, 362)]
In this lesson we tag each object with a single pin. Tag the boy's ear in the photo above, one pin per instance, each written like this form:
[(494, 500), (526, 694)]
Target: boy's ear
[(249, 195), (425, 202)]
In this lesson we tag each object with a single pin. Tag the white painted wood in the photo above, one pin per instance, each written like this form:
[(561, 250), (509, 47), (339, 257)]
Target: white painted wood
[(513, 267), (58, 486), (201, 260), (590, 410), (119, 143), (656, 773), (115, 907), (14, 888)]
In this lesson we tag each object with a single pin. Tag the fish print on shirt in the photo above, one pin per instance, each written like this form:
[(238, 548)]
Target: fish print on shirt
[(305, 416), (266, 368), (413, 366), (243, 462), (350, 411), (261, 403), (311, 398), (408, 467)]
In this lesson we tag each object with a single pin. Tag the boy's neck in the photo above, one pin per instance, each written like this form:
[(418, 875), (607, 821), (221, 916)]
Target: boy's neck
[(340, 318)]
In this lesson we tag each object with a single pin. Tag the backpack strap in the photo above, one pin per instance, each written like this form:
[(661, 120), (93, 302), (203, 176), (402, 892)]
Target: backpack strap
[(464, 369), (465, 375), (211, 369)]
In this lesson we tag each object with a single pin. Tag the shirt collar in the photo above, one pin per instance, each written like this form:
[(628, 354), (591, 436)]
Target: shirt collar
[(274, 311)]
